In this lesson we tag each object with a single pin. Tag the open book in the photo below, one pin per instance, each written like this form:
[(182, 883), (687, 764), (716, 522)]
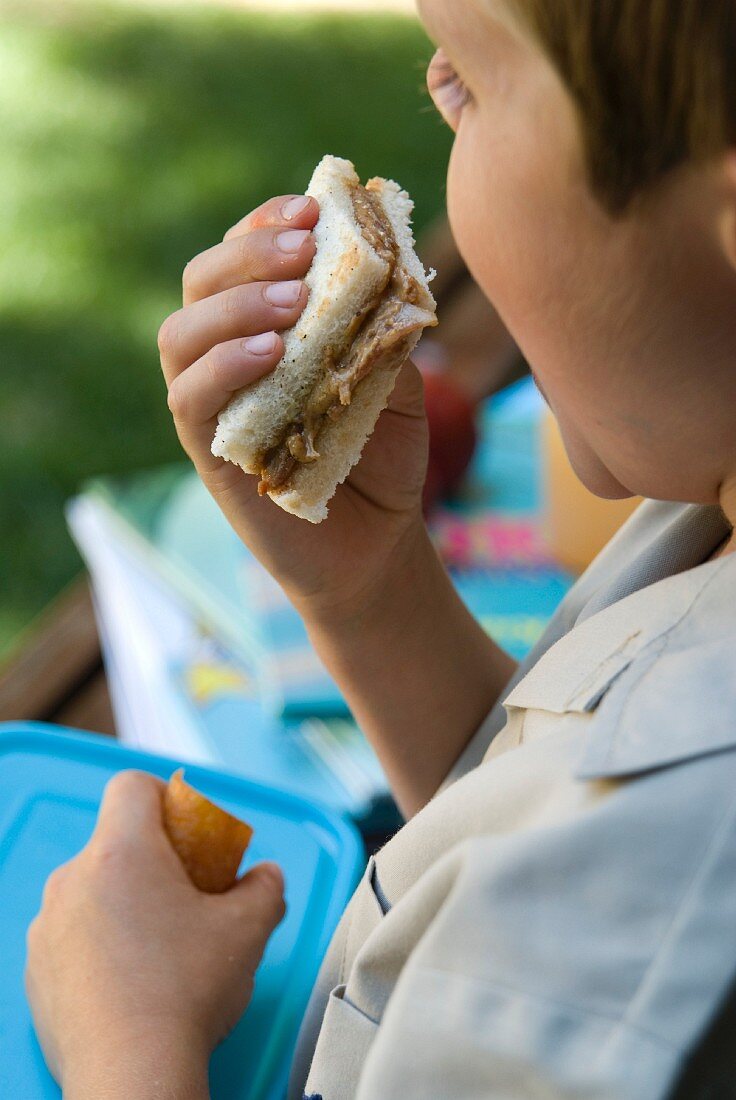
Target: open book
[(177, 688)]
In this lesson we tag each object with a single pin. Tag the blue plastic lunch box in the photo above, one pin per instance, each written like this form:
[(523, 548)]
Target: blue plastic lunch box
[(51, 782)]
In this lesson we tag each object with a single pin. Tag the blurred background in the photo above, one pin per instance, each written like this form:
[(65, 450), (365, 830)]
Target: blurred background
[(135, 133)]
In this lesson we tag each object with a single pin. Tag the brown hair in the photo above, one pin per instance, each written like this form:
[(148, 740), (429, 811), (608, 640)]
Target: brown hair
[(654, 82)]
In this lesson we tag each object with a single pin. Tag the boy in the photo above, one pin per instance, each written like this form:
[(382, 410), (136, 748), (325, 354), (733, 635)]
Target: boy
[(558, 916)]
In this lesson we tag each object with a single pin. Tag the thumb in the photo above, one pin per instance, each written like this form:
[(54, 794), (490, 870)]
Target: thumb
[(407, 396), (131, 805), (258, 901)]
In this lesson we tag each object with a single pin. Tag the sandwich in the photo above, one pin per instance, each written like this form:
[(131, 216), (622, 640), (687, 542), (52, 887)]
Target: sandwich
[(302, 428)]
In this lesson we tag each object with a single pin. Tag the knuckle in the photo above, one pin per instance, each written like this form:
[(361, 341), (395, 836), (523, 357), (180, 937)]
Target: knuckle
[(35, 939), (232, 302), (108, 859), (33, 934), (190, 277), (178, 400), (215, 362), (224, 480), (168, 335), (53, 886), (106, 851), (244, 246)]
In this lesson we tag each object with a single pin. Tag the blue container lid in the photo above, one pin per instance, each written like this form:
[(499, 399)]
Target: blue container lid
[(51, 783)]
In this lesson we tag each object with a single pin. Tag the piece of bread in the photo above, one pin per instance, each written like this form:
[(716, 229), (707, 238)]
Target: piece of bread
[(208, 840), (346, 273)]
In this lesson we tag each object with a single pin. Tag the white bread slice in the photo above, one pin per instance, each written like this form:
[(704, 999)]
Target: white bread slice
[(341, 443), (344, 276)]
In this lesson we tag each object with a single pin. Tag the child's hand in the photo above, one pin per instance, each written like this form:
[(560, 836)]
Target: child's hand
[(376, 514), (128, 960)]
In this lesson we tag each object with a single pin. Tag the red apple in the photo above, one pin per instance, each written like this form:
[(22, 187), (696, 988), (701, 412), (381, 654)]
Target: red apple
[(452, 435)]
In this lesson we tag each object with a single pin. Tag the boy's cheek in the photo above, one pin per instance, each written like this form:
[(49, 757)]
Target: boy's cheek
[(497, 236), (477, 218), (521, 219)]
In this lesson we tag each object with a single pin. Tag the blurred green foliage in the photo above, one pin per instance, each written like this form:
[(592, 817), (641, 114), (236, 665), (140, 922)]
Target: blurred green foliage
[(132, 138)]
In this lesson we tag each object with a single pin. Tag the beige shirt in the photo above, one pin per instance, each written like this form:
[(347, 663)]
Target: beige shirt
[(560, 919)]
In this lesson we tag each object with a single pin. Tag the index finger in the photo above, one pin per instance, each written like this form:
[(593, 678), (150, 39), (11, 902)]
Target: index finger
[(292, 211)]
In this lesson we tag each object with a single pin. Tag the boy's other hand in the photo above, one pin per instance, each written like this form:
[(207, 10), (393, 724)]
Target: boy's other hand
[(127, 959), (340, 566)]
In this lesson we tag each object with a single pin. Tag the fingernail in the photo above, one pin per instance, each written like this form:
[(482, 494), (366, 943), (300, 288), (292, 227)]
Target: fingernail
[(294, 207), (263, 344), (292, 240), (283, 294)]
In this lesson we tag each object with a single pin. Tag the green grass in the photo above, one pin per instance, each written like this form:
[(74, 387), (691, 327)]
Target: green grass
[(131, 140)]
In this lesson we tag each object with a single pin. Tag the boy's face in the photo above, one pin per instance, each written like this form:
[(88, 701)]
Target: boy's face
[(586, 296)]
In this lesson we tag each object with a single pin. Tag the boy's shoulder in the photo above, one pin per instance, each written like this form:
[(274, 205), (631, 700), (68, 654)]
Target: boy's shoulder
[(674, 698), (655, 672), (614, 638)]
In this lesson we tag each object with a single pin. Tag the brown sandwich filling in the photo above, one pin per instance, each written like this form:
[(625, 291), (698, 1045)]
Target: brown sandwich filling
[(371, 335)]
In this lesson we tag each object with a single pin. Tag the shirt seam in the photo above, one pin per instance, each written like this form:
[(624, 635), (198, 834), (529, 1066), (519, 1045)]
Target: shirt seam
[(713, 845), (553, 1002)]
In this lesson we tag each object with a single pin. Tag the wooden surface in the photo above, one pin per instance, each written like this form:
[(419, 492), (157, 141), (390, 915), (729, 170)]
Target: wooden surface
[(56, 674)]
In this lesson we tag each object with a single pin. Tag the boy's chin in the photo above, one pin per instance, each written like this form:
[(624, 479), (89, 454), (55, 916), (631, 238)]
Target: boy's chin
[(587, 466), (597, 478)]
